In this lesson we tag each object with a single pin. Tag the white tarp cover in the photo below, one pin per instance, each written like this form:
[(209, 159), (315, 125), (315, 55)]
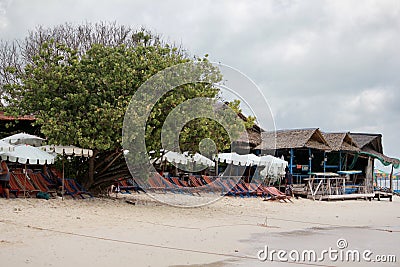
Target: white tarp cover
[(26, 154), (68, 150), (23, 138), (5, 146)]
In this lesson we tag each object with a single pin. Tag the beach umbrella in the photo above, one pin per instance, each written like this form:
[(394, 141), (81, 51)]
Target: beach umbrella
[(199, 159), (5, 146), (23, 138), (67, 151), (233, 158), (380, 174), (26, 154)]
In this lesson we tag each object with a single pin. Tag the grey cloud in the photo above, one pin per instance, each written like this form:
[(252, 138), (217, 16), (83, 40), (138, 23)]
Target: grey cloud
[(319, 63)]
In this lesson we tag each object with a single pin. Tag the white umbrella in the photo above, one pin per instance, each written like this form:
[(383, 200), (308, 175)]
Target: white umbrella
[(203, 160), (236, 159), (185, 158), (68, 151), (5, 147), (23, 138), (26, 154)]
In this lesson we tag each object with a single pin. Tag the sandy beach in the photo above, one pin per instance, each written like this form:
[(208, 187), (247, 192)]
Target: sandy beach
[(229, 232)]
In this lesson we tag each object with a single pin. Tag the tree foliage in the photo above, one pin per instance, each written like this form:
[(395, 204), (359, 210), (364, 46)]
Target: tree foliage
[(78, 82)]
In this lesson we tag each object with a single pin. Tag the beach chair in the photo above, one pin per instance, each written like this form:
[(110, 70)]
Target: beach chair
[(74, 189), (183, 185), (39, 182), (51, 183), (123, 185), (155, 184), (275, 194), (171, 186), (227, 188), (256, 190), (237, 188), (194, 182), (24, 184), (242, 187)]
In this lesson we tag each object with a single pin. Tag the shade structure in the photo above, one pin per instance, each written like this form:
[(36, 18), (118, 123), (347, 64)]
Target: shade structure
[(199, 159), (234, 159), (23, 138), (5, 146), (274, 167), (185, 158), (68, 150), (26, 154), (250, 160), (380, 174)]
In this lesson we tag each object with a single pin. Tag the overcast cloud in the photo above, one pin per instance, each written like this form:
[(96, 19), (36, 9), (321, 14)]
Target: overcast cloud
[(328, 64)]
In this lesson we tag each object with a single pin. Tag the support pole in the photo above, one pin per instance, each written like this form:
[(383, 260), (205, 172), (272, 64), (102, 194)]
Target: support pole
[(310, 160), (340, 160), (26, 174), (63, 179), (291, 160), (325, 159), (391, 180)]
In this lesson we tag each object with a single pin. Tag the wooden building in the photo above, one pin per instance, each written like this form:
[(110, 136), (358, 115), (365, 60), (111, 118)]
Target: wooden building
[(10, 125), (304, 149), (310, 150)]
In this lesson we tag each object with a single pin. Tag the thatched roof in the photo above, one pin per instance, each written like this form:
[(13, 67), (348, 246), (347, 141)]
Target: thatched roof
[(341, 142), (253, 137), (298, 138), (366, 140)]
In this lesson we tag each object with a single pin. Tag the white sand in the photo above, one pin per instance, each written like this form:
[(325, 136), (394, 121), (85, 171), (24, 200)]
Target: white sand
[(106, 232)]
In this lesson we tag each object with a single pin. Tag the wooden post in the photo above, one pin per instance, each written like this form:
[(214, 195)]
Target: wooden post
[(340, 160), (391, 180), (26, 174), (63, 178), (310, 160), (291, 160)]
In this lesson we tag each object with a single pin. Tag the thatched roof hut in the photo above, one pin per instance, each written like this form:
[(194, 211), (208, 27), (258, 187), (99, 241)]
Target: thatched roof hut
[(296, 138), (366, 140), (341, 142), (371, 145)]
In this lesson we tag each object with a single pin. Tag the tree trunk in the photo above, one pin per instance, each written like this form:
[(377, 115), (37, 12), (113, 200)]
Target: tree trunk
[(90, 179)]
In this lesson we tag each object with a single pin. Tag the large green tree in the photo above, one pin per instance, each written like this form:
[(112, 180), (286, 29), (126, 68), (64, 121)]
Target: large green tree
[(79, 88)]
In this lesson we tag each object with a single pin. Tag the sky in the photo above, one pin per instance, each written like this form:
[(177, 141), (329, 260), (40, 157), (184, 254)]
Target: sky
[(327, 64)]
